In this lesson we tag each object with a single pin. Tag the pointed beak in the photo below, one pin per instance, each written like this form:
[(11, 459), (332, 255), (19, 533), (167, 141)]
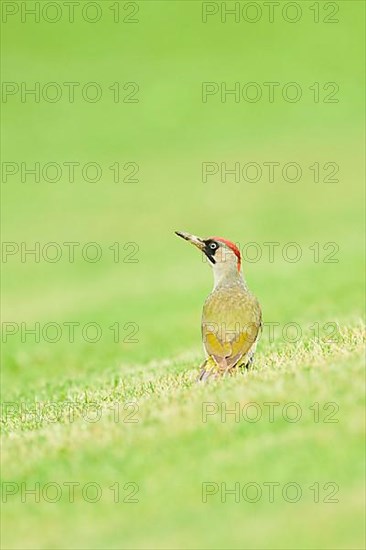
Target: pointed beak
[(197, 241)]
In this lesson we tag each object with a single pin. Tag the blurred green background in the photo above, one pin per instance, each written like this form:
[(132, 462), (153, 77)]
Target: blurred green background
[(169, 133)]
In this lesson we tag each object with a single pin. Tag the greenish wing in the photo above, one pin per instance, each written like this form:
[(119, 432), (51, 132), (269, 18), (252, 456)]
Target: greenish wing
[(230, 326)]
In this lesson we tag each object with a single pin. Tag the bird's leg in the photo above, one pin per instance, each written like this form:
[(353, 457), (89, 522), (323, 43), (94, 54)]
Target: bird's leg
[(247, 363), (248, 359), (201, 376), (209, 368)]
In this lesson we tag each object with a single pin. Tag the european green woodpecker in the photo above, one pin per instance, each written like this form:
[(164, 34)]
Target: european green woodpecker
[(231, 317)]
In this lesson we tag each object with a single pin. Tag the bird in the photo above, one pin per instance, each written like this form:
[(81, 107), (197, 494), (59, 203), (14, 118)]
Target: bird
[(232, 316)]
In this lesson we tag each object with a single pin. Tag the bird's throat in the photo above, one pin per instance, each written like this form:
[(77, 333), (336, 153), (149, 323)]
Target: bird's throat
[(225, 275)]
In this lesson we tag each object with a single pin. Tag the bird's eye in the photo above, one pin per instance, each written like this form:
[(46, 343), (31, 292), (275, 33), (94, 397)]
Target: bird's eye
[(213, 246)]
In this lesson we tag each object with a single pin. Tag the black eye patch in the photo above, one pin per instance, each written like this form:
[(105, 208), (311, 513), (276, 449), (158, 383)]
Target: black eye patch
[(210, 248)]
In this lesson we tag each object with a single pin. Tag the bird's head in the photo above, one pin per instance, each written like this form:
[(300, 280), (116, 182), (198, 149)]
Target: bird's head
[(223, 255)]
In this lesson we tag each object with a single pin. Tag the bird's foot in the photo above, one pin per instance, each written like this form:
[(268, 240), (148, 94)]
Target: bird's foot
[(209, 369)]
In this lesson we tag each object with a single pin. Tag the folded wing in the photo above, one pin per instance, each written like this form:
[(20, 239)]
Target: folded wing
[(230, 325)]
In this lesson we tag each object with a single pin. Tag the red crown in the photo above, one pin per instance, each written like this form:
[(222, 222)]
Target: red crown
[(232, 246)]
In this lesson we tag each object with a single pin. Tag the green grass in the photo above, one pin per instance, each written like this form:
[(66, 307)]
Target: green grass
[(170, 452)]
